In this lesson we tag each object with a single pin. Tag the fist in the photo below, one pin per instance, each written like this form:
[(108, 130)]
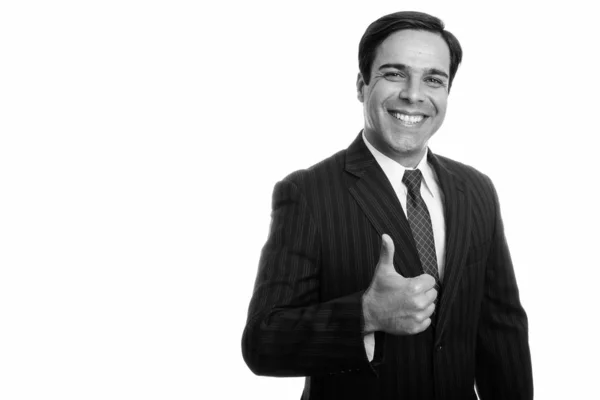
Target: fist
[(395, 304)]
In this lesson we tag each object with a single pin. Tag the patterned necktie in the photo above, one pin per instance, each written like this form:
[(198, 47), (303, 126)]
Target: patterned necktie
[(420, 223)]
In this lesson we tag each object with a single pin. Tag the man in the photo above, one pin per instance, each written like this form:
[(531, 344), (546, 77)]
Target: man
[(386, 273)]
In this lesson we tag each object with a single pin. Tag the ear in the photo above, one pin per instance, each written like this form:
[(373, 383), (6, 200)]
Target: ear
[(360, 86)]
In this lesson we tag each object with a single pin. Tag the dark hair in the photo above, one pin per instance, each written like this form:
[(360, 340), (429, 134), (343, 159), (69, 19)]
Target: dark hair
[(379, 30)]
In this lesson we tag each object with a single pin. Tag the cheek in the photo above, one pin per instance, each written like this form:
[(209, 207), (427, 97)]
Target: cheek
[(379, 95), (440, 105), (442, 112), (376, 110)]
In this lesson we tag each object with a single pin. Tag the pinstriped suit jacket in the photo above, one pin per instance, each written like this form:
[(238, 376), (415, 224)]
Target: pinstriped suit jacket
[(305, 315)]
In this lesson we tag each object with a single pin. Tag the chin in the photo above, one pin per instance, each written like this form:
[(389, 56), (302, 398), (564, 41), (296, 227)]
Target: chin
[(409, 146)]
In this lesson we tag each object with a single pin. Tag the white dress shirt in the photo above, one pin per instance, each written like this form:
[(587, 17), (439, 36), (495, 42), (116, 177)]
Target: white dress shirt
[(434, 200)]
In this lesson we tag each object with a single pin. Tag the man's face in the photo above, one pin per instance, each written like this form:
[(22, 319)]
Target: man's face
[(405, 100)]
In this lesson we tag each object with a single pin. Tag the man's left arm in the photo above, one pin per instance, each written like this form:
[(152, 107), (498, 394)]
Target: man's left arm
[(503, 368)]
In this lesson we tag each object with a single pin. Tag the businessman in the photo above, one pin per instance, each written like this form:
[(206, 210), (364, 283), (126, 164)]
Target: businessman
[(386, 273)]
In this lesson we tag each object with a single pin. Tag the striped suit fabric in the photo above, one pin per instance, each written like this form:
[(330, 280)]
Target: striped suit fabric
[(305, 315)]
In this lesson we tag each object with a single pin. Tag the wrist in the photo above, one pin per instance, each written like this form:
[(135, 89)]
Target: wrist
[(369, 325)]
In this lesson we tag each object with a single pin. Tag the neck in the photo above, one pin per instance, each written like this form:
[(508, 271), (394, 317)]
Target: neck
[(408, 160)]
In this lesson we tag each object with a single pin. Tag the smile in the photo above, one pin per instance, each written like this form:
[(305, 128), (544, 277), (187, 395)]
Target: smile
[(408, 120)]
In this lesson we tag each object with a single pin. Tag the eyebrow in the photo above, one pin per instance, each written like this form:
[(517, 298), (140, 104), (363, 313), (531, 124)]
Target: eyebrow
[(402, 67)]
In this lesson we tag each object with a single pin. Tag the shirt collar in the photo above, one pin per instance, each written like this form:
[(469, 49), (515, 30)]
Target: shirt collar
[(394, 170)]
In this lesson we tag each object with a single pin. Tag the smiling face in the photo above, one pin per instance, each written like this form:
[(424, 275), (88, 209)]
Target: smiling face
[(405, 100)]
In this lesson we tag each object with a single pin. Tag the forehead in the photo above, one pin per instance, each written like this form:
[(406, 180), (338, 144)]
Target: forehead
[(417, 49)]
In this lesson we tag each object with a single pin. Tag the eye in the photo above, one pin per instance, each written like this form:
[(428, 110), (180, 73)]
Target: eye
[(393, 76), (434, 82)]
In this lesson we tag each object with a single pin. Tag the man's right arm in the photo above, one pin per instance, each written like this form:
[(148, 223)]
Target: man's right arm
[(289, 332)]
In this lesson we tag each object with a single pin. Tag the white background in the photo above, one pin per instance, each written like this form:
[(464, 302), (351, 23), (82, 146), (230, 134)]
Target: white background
[(140, 143)]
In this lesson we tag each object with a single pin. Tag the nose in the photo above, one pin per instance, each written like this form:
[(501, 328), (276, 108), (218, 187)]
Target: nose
[(412, 91)]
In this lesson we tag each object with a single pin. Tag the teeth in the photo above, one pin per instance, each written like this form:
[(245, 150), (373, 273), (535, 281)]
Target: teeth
[(410, 119)]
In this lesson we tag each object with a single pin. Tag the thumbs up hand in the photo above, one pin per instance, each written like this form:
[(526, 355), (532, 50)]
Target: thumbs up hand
[(395, 304)]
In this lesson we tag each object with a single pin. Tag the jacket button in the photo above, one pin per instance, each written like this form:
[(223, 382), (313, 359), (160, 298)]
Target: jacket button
[(439, 348)]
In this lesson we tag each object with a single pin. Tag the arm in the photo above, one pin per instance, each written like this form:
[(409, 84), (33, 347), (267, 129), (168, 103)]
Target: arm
[(503, 357), (289, 331)]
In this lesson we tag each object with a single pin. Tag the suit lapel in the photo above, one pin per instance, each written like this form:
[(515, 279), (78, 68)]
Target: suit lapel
[(376, 197), (457, 215)]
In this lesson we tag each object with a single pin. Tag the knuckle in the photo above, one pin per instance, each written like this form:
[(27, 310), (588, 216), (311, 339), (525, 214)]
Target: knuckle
[(430, 310), (421, 303), (412, 303), (419, 327), (434, 294), (416, 286), (412, 329), (426, 279), (421, 317), (429, 281), (412, 287)]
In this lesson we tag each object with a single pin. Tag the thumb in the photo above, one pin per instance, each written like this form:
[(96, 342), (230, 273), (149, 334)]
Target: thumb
[(386, 254)]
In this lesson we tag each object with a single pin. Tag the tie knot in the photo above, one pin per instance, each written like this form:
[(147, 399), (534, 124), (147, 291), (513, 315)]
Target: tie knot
[(412, 179)]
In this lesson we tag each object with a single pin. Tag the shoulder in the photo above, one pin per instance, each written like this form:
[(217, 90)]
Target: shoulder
[(476, 184), (470, 176), (323, 172), (323, 180), (310, 186)]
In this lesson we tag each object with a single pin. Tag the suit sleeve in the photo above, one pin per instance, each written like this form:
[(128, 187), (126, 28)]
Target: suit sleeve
[(503, 358), (289, 331)]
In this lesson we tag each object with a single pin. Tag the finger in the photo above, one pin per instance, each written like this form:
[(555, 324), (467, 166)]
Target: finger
[(429, 310), (423, 283), (421, 316), (386, 254), (420, 303), (431, 294), (426, 323), (420, 326)]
